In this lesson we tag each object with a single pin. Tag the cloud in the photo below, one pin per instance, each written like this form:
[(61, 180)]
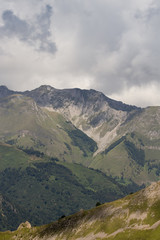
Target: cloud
[(140, 95), (35, 33), (111, 46)]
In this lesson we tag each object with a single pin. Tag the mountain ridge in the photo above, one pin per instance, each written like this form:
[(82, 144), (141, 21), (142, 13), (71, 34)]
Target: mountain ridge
[(77, 94), (73, 92)]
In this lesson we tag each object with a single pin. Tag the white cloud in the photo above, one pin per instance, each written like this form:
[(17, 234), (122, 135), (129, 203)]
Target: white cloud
[(112, 46), (140, 95)]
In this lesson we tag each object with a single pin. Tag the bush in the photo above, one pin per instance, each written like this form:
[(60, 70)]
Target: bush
[(98, 204)]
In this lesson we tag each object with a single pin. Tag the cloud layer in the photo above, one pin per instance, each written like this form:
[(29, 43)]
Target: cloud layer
[(112, 46), (36, 33)]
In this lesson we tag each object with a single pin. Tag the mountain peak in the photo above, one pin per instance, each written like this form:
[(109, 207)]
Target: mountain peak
[(47, 95), (4, 91), (45, 87), (3, 87)]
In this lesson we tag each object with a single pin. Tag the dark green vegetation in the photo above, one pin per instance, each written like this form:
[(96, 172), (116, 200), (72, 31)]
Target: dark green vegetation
[(10, 215), (113, 145), (135, 217), (81, 140), (136, 154), (43, 189)]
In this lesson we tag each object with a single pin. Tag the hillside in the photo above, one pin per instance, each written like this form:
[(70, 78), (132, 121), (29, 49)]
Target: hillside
[(24, 124), (135, 153), (41, 189), (133, 217)]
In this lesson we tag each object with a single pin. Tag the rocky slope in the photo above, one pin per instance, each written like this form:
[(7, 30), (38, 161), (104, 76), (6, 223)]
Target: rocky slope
[(133, 217)]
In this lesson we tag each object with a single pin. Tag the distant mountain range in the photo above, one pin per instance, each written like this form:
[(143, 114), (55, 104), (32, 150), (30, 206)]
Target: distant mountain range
[(80, 132)]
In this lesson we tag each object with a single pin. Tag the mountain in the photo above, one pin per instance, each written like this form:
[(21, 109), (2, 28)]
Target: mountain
[(73, 148), (90, 111), (5, 92), (133, 217), (86, 127), (127, 137)]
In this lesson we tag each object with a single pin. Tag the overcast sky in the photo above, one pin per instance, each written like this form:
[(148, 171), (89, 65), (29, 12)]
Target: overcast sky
[(109, 45)]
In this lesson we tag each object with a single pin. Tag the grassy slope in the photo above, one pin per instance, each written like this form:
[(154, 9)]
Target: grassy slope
[(136, 217), (26, 125), (137, 155), (12, 157), (94, 180)]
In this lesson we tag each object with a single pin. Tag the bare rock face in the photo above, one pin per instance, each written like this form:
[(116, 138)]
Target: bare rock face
[(24, 225)]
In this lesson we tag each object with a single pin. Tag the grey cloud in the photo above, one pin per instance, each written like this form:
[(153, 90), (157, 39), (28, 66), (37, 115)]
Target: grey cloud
[(147, 15), (14, 26), (44, 21), (36, 33), (127, 46), (106, 45)]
